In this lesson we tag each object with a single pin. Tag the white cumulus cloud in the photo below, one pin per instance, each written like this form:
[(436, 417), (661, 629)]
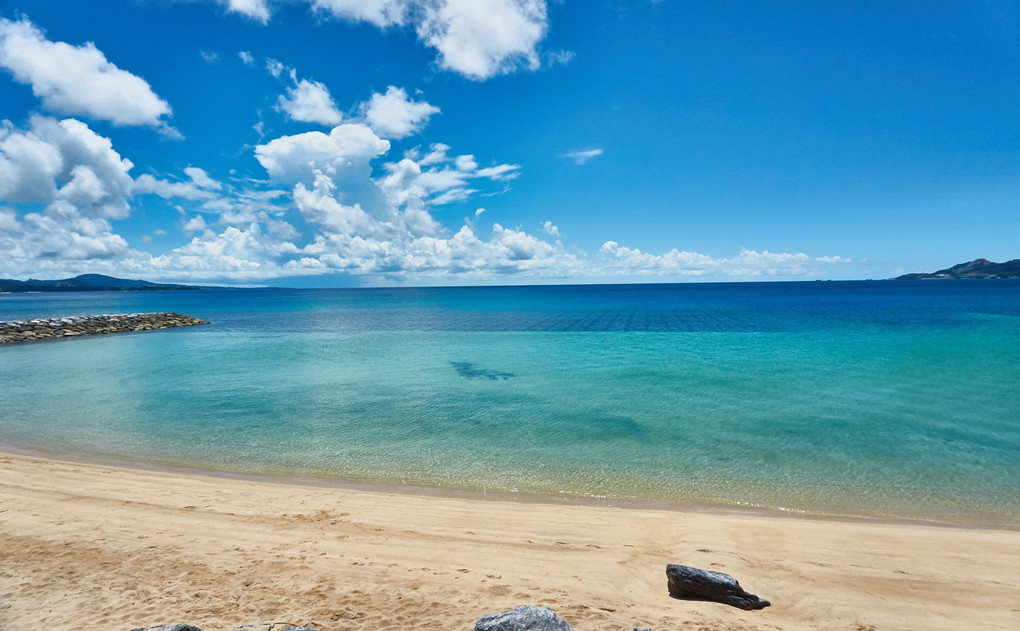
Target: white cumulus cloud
[(393, 115), (29, 165), (63, 161), (310, 102), (195, 224), (75, 183), (239, 253), (624, 261), (475, 38), (254, 9), (297, 158), (78, 79), (482, 38), (379, 12), (333, 202)]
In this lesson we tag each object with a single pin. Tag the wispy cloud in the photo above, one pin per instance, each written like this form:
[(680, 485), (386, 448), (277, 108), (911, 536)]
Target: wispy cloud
[(581, 157), (275, 67), (559, 57)]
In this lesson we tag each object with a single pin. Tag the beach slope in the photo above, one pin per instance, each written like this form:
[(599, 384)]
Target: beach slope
[(94, 546)]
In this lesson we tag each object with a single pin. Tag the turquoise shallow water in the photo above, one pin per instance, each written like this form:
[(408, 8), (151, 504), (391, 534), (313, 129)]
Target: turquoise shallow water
[(860, 398)]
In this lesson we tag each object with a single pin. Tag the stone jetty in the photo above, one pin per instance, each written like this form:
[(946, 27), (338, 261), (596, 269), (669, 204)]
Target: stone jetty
[(74, 326)]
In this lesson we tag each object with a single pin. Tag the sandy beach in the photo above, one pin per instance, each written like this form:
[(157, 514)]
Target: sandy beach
[(95, 546)]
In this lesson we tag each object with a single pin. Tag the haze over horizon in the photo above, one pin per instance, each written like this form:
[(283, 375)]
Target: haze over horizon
[(446, 142)]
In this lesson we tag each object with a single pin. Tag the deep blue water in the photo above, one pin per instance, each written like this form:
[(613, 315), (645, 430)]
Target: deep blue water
[(866, 398)]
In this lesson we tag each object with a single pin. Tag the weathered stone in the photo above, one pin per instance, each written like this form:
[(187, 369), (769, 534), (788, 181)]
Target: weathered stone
[(523, 619), (273, 626), (689, 583), (169, 627), (74, 326)]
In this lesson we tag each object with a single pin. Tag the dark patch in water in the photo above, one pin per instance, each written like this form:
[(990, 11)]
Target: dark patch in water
[(594, 426), (601, 426), (471, 371)]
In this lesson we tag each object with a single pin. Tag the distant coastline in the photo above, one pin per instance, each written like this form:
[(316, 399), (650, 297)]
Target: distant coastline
[(978, 268), (87, 282)]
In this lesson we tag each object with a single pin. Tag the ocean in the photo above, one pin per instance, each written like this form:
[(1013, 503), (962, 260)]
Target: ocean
[(890, 399)]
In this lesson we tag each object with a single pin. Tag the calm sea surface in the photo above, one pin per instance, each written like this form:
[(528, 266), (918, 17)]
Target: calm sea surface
[(885, 398)]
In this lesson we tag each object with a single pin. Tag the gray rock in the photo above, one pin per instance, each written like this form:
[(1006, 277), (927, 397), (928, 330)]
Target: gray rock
[(73, 326), (273, 626), (523, 619), (689, 583), (169, 627)]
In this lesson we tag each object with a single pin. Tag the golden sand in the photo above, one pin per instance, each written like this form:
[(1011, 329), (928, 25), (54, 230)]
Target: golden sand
[(101, 547)]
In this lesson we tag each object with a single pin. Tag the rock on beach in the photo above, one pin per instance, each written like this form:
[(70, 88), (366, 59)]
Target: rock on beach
[(690, 583), (523, 619)]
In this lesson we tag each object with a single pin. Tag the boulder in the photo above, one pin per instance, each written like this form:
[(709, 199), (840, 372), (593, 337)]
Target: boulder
[(689, 583), (169, 627), (523, 619)]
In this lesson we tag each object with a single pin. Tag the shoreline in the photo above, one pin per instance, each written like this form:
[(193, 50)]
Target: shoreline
[(472, 494), (707, 507), (124, 548)]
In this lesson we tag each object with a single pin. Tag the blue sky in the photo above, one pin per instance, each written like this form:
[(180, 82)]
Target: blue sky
[(368, 142)]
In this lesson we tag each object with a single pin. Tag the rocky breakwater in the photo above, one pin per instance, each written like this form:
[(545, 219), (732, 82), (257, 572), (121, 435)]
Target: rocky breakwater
[(75, 326)]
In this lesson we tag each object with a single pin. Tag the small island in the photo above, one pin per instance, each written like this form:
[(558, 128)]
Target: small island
[(978, 268)]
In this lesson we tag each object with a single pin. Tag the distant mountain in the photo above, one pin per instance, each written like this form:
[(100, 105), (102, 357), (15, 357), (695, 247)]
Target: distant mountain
[(85, 282), (978, 268)]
